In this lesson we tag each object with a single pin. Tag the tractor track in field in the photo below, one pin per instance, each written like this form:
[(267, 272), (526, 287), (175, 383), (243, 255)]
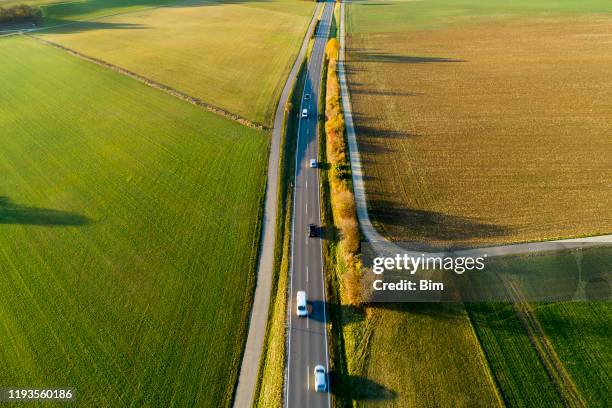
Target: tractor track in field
[(557, 373)]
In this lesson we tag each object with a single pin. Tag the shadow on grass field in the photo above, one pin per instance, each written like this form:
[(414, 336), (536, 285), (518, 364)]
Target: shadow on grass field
[(78, 10), (77, 16), (11, 213), (316, 312), (92, 7), (348, 388)]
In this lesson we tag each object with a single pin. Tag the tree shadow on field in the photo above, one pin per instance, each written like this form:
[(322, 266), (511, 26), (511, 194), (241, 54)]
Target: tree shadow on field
[(348, 388), (376, 56), (367, 133), (424, 226), (499, 317), (349, 313), (67, 27), (375, 4), (66, 9), (64, 17), (374, 138), (363, 90), (444, 310), (11, 213)]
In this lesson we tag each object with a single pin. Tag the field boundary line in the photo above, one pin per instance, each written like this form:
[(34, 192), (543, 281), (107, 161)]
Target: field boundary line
[(486, 361), (249, 368), (157, 85)]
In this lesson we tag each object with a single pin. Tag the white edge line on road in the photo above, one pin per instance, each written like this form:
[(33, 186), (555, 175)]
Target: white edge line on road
[(321, 247), (290, 300), (244, 392), (293, 248)]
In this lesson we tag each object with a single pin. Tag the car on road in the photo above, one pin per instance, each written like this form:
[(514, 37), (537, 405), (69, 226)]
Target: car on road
[(312, 230), (313, 163), (306, 97), (320, 378), (304, 113), (302, 304)]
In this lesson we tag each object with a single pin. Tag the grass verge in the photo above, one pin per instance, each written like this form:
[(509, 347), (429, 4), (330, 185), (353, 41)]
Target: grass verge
[(269, 392)]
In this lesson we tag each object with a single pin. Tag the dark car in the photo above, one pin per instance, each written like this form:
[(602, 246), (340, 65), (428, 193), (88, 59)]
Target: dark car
[(312, 230)]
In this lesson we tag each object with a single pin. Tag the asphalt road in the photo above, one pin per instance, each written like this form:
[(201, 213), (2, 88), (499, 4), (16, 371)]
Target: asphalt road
[(307, 336), (261, 301)]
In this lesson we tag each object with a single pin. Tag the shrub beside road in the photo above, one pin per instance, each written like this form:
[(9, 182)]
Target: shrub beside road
[(341, 194)]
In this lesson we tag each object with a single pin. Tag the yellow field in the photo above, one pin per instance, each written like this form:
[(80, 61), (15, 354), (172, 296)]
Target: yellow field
[(491, 133), (234, 56), (409, 363)]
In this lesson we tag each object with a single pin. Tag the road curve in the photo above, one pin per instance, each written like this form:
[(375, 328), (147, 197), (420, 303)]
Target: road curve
[(382, 245), (259, 311), (307, 336)]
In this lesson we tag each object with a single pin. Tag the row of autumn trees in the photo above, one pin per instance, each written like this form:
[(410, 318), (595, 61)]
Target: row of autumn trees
[(19, 13), (342, 197)]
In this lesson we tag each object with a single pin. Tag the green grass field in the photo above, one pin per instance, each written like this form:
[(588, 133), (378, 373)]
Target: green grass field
[(410, 15), (235, 56), (578, 332), (581, 336), (128, 229), (520, 376), (420, 355), (484, 122)]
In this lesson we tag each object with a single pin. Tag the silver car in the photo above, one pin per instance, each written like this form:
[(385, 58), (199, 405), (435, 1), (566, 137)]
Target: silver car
[(320, 378)]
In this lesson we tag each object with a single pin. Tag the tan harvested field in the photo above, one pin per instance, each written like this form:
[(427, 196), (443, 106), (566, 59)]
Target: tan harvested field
[(235, 56), (486, 134)]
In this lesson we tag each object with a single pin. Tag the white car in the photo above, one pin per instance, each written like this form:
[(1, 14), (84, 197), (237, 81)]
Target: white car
[(313, 163), (302, 304), (320, 379), (304, 113)]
